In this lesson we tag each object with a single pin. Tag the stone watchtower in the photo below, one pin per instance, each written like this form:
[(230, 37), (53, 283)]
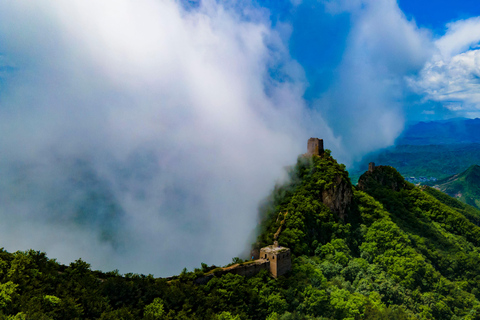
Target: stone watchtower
[(279, 258), (371, 166), (315, 147)]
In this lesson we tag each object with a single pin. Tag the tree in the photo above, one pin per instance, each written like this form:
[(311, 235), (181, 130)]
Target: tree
[(225, 315), (155, 310)]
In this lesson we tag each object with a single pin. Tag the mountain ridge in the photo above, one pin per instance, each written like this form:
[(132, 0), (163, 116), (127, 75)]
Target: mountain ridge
[(451, 131)]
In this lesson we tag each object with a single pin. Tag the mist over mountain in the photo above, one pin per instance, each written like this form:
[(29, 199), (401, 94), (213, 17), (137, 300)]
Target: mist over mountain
[(136, 127), (155, 136)]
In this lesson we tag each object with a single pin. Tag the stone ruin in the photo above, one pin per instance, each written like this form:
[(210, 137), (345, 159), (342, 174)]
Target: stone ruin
[(274, 258), (279, 257), (315, 147)]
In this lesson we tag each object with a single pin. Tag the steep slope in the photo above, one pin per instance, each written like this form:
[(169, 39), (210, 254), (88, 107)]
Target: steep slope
[(318, 196), (444, 240), (470, 212), (464, 186)]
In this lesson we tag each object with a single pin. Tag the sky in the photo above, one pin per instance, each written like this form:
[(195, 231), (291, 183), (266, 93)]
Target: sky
[(142, 135)]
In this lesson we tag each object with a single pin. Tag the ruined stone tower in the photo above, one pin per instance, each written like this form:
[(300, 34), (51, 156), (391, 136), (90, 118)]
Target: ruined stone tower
[(279, 258), (315, 147), (371, 166)]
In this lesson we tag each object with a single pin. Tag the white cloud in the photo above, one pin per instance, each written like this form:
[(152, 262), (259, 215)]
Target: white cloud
[(460, 36), (142, 136), (364, 106), (452, 74)]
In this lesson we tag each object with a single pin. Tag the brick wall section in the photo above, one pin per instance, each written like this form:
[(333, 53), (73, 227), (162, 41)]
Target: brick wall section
[(246, 270), (251, 269), (273, 258)]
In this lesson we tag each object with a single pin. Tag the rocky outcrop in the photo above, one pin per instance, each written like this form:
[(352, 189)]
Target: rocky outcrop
[(338, 197), (384, 176)]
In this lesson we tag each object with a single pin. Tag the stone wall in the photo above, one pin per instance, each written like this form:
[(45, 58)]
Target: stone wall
[(277, 260), (251, 269), (245, 269)]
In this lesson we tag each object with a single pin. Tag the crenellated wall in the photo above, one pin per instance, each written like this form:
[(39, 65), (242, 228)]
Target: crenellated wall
[(248, 269), (251, 269)]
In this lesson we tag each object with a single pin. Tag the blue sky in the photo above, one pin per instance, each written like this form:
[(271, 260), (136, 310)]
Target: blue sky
[(435, 17), (179, 117)]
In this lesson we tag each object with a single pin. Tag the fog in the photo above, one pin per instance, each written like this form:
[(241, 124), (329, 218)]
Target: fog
[(141, 136), (365, 105)]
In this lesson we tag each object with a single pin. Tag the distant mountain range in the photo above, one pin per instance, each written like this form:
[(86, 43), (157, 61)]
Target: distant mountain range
[(453, 131), (429, 151)]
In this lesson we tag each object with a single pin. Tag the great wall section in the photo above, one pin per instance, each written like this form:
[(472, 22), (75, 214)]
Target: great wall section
[(274, 258)]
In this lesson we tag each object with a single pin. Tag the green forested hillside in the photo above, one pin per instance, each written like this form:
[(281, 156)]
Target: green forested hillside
[(467, 210), (399, 252), (464, 186)]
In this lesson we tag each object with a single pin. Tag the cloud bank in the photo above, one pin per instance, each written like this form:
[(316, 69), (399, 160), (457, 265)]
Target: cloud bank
[(365, 106), (141, 135)]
